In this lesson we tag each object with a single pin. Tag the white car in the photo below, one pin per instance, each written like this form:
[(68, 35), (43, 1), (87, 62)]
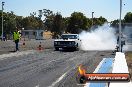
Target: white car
[(68, 41)]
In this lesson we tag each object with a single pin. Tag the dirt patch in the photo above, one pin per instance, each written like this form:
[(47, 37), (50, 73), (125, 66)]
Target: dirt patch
[(129, 62)]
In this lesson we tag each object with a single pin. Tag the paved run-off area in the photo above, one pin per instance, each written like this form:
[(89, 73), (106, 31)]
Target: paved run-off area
[(47, 68)]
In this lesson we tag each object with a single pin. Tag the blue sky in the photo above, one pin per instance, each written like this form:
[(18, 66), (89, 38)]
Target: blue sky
[(106, 8)]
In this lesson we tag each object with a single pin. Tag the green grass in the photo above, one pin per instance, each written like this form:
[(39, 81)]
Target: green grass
[(129, 62), (129, 56)]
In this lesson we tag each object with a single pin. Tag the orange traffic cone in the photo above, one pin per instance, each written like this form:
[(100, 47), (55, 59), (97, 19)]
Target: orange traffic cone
[(40, 48), (23, 44)]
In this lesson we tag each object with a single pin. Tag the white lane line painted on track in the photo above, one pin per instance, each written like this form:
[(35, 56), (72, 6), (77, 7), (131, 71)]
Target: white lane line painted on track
[(98, 67), (37, 86), (58, 80), (16, 54), (96, 70), (61, 77)]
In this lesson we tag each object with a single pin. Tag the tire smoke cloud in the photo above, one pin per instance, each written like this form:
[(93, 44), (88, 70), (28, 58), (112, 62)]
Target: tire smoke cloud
[(127, 32), (101, 38)]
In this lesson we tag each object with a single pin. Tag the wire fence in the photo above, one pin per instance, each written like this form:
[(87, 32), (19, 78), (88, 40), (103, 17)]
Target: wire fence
[(127, 31), (9, 45)]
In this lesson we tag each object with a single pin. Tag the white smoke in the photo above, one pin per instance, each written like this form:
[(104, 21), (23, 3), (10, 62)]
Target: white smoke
[(127, 32), (102, 38)]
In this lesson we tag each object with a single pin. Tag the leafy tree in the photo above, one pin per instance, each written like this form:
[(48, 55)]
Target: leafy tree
[(48, 22), (58, 25), (77, 22), (47, 12), (19, 23), (54, 22), (101, 20), (66, 23), (89, 23), (32, 22), (128, 17), (115, 23), (9, 21)]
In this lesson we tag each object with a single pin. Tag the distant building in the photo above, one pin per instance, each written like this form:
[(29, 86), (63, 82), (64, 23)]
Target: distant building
[(36, 34), (33, 34)]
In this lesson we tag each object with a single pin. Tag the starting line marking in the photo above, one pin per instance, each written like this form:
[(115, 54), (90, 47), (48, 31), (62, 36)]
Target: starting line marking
[(105, 66), (112, 65)]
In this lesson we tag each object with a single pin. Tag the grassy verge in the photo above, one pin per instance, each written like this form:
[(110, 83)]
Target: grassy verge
[(129, 61)]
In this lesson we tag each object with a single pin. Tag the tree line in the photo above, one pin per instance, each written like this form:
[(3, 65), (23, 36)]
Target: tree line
[(126, 21), (54, 22)]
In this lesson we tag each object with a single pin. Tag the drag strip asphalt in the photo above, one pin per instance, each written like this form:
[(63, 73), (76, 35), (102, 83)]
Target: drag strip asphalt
[(48, 68)]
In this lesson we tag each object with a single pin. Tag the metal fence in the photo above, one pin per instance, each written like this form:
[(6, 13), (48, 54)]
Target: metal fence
[(127, 31)]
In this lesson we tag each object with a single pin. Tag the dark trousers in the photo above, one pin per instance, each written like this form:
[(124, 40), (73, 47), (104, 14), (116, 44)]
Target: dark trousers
[(17, 46)]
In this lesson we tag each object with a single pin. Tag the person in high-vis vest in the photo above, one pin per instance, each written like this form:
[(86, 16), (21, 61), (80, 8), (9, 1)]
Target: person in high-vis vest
[(16, 38)]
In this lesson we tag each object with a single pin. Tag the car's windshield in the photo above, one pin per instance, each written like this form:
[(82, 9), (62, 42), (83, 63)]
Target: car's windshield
[(69, 36)]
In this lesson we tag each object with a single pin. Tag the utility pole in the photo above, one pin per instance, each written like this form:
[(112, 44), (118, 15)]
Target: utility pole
[(92, 18), (120, 32), (2, 18)]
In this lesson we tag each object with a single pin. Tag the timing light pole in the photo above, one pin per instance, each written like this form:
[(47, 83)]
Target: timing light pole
[(2, 19), (120, 32), (92, 18)]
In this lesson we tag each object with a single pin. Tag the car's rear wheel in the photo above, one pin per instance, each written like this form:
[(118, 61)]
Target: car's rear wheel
[(75, 48)]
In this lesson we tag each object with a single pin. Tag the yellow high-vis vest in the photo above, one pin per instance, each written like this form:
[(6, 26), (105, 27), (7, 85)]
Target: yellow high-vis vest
[(16, 35)]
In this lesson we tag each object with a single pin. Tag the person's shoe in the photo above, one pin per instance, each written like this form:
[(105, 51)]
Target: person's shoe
[(17, 50)]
